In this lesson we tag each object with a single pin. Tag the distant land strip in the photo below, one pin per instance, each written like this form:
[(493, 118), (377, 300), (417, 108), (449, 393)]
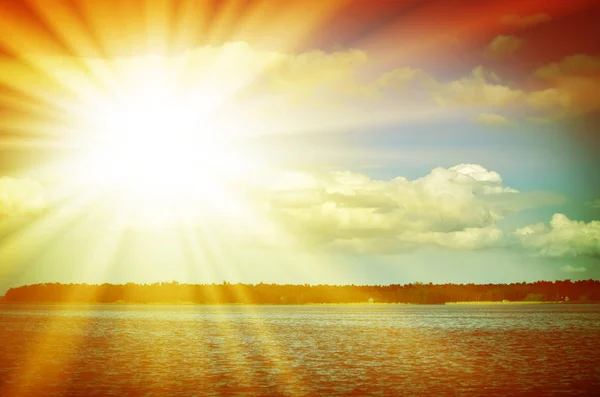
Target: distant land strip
[(566, 291)]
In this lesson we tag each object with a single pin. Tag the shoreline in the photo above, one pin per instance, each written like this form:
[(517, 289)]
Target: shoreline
[(508, 303), (463, 303), (212, 304)]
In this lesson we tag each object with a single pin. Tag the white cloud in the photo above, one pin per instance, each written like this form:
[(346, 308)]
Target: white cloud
[(20, 196), (453, 208), (572, 269), (564, 238)]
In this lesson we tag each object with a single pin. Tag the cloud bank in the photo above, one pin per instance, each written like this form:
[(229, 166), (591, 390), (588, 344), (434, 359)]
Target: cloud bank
[(454, 208), (450, 208), (278, 91)]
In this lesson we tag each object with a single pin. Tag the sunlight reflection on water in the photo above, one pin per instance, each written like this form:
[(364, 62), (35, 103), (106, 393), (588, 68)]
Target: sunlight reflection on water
[(299, 350)]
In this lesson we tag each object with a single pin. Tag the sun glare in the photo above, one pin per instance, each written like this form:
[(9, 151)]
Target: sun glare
[(159, 143)]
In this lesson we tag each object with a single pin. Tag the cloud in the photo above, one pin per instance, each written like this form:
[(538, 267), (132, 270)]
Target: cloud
[(452, 208), (571, 269), (466, 239), (525, 21), (513, 203), (298, 86), (503, 46), (315, 73), (278, 91), (573, 85), (265, 90), (455, 208), (20, 196), (579, 64), (594, 203), (564, 238), (405, 242), (569, 89), (491, 119), (480, 88), (402, 78)]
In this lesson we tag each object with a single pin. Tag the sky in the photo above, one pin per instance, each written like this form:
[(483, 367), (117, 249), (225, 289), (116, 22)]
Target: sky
[(299, 142)]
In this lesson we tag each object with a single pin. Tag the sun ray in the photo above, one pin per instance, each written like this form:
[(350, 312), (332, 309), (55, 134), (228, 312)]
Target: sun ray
[(69, 28), (44, 348), (45, 230), (261, 329), (148, 105)]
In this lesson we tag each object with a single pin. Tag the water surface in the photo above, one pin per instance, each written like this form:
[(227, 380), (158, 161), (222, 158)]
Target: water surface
[(329, 350)]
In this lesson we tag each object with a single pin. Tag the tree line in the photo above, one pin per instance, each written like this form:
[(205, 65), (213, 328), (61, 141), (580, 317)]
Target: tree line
[(228, 293)]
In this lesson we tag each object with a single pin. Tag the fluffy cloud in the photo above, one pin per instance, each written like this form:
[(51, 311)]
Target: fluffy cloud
[(503, 46), (453, 208), (525, 21), (491, 119), (20, 196), (564, 238), (572, 269)]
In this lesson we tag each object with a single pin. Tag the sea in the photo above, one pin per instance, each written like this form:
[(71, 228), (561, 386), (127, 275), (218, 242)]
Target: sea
[(307, 350)]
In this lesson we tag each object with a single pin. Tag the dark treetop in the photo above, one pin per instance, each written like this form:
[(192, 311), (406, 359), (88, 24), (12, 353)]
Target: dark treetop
[(174, 292)]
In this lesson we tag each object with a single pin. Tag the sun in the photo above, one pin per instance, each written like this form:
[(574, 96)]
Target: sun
[(153, 141), (156, 143), (150, 139)]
